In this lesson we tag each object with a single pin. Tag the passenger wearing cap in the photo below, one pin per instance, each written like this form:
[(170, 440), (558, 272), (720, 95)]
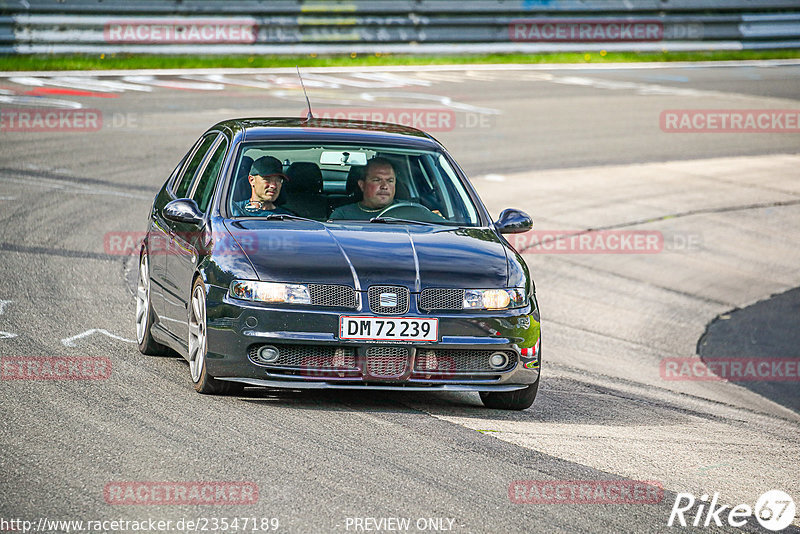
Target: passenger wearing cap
[(266, 178)]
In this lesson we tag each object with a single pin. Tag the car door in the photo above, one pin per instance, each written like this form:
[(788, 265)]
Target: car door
[(158, 238), (187, 238), (174, 318)]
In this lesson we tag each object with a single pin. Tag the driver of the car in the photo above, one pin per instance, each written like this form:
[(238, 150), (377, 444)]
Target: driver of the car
[(266, 178), (378, 188)]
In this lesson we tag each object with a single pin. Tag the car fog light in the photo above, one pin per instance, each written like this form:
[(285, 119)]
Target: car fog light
[(498, 360), (268, 354)]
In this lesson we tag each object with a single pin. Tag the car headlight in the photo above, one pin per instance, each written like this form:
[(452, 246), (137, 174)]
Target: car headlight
[(270, 292), (494, 299)]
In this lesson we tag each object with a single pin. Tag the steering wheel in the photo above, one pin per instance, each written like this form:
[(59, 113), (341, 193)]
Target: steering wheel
[(409, 210)]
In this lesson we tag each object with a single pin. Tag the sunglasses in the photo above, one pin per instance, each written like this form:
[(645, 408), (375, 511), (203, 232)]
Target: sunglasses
[(273, 178)]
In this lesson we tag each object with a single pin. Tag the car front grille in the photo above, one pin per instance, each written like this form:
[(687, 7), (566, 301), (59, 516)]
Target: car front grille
[(309, 356), (448, 361), (387, 362), (441, 299), (380, 362), (331, 295), (389, 300)]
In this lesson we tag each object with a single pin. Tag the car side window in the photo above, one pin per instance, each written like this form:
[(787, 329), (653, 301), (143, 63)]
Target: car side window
[(194, 163), (174, 177), (205, 185)]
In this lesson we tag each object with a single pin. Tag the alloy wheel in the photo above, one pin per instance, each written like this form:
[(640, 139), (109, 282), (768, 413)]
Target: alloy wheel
[(197, 333), (142, 299)]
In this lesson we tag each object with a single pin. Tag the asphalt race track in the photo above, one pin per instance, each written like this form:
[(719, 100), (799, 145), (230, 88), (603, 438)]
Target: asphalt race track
[(577, 148)]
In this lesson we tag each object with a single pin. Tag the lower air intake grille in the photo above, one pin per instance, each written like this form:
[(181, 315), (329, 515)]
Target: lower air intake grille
[(310, 356), (460, 360), (387, 362)]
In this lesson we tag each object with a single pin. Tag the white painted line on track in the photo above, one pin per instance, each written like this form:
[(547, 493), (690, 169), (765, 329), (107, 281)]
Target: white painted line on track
[(420, 68), (364, 83), (226, 80), (70, 341), (174, 84), (384, 96), (35, 101), (104, 85), (69, 82), (5, 335), (441, 77), (388, 77), (647, 89)]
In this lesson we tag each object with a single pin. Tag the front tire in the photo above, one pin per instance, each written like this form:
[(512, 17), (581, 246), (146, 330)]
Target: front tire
[(144, 312), (198, 348), (511, 400)]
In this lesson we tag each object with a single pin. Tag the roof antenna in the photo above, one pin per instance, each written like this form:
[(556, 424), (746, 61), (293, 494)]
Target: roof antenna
[(309, 116)]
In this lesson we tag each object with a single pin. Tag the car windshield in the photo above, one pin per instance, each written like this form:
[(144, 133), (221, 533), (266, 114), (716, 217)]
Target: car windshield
[(345, 183)]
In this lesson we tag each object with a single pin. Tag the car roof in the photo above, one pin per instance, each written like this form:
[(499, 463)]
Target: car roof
[(297, 129)]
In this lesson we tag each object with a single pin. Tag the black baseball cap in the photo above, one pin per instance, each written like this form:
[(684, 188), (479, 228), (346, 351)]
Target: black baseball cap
[(267, 166)]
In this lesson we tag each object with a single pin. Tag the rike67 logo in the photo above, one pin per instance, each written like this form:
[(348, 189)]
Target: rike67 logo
[(774, 510)]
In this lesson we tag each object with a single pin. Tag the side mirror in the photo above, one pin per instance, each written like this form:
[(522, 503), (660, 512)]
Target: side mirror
[(183, 210), (513, 221)]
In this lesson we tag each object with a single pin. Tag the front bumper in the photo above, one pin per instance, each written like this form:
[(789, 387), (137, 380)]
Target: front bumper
[(236, 329)]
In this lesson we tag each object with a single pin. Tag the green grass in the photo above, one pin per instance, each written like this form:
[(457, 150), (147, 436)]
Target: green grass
[(128, 61)]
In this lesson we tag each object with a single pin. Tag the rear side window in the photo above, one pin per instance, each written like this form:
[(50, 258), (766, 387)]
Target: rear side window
[(194, 163), (205, 186)]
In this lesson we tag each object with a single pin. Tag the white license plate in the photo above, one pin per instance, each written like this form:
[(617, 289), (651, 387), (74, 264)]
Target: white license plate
[(388, 328)]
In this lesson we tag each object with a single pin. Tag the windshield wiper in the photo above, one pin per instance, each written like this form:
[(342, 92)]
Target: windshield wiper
[(286, 216), (391, 220)]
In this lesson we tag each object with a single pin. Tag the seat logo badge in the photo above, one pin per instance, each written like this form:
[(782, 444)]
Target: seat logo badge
[(388, 300)]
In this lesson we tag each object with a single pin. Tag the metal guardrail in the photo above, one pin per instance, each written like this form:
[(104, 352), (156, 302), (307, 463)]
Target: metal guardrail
[(394, 26), (382, 7)]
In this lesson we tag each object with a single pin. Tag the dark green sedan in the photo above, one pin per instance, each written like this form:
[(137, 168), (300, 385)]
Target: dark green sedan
[(288, 253)]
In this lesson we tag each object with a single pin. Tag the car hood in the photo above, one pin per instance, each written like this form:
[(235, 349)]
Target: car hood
[(414, 256)]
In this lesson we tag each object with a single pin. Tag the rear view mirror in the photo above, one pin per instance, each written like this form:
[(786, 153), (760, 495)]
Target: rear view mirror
[(329, 157), (513, 221)]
